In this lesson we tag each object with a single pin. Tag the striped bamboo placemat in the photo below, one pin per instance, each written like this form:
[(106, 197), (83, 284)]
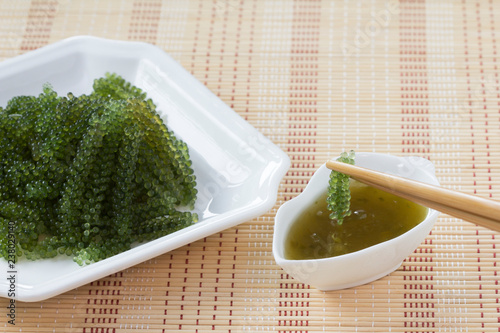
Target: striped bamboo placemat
[(316, 77)]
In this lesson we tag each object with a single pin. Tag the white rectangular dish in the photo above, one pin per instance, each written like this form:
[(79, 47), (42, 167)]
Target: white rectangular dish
[(238, 170)]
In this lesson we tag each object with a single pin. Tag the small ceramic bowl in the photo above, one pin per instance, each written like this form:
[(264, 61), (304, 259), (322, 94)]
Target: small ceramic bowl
[(362, 266)]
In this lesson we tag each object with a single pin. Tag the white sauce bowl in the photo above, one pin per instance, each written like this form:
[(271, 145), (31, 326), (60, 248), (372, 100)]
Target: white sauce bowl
[(365, 265)]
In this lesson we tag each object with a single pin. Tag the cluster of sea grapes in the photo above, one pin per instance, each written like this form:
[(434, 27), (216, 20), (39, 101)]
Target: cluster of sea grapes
[(89, 175), (339, 195)]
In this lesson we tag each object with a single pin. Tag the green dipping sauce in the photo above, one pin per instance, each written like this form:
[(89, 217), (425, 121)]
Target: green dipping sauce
[(377, 216)]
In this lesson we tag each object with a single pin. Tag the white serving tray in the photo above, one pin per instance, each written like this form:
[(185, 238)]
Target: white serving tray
[(238, 169)]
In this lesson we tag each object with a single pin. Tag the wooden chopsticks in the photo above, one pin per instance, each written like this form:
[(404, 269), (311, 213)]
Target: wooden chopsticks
[(474, 209)]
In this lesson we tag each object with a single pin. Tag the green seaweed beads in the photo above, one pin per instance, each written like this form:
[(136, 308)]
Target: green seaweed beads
[(87, 176), (339, 195)]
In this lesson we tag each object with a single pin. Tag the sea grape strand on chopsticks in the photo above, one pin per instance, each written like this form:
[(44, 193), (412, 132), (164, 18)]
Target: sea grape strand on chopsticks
[(87, 176), (339, 195)]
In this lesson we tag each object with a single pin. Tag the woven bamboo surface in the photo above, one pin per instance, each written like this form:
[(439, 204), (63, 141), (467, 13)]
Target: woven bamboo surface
[(316, 77)]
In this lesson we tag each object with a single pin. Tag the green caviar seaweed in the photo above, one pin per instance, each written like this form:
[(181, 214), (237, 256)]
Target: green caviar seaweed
[(87, 176), (339, 195)]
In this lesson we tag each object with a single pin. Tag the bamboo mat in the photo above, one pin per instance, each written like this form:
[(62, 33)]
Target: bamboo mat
[(316, 77)]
